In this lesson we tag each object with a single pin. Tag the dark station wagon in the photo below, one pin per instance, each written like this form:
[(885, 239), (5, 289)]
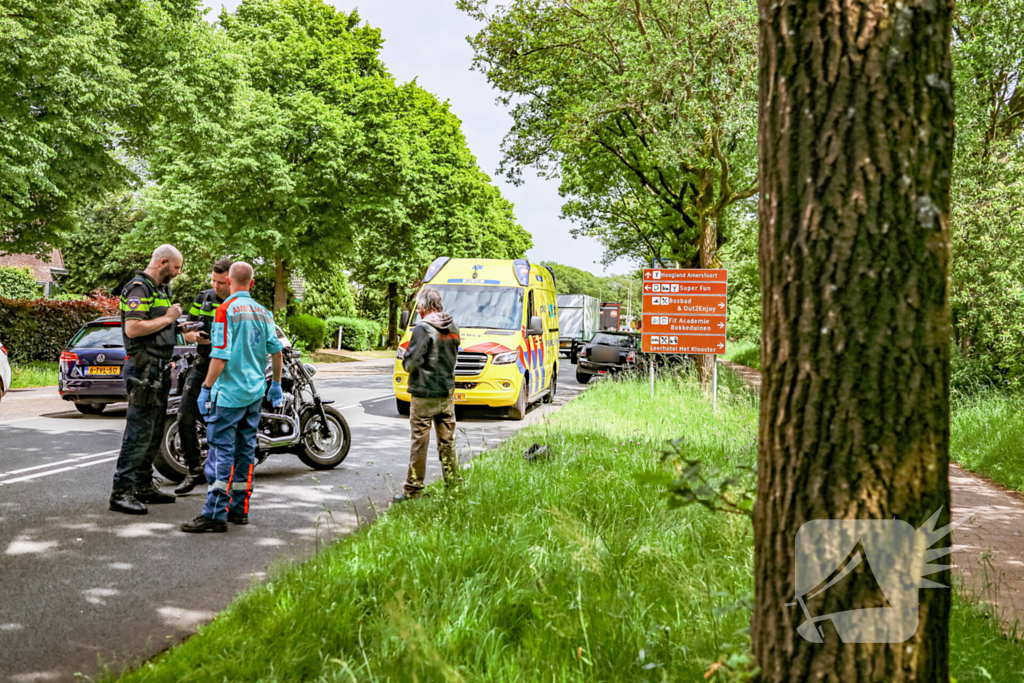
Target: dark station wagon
[(90, 366)]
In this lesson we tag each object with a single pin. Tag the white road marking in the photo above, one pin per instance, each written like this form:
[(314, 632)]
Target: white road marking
[(59, 462), (37, 475)]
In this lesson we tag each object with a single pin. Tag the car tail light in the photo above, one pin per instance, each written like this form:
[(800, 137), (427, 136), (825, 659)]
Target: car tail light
[(631, 357), (3, 349), (583, 352), (68, 356)]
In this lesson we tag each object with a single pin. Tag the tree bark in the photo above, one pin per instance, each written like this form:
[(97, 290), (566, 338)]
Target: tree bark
[(281, 277), (393, 315), (855, 157)]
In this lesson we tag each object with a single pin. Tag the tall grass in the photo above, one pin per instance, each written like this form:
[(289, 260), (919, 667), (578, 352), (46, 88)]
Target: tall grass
[(33, 374), (744, 353), (568, 569), (987, 435)]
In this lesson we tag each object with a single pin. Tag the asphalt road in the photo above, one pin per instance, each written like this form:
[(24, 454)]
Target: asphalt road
[(82, 587)]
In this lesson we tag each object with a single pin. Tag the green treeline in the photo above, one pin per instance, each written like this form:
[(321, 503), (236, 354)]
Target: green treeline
[(276, 135)]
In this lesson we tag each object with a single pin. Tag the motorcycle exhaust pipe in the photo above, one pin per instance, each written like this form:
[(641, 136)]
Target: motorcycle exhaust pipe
[(266, 441)]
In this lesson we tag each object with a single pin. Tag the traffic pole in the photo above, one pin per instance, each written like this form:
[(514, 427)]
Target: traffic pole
[(714, 387), (652, 377)]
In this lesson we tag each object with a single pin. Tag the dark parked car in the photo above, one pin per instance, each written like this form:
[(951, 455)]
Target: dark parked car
[(608, 352), (90, 366)]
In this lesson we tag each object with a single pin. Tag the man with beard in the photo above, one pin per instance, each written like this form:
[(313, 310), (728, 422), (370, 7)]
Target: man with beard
[(203, 310), (149, 327)]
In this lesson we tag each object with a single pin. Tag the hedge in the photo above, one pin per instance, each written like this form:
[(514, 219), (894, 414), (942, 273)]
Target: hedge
[(18, 283), (307, 331), (39, 329), (358, 334)]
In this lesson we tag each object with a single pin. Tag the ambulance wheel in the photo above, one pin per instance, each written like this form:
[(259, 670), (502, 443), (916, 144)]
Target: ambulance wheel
[(403, 407), (170, 461), (550, 397), (518, 411), (582, 377)]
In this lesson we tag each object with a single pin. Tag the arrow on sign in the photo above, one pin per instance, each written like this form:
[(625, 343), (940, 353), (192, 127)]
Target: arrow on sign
[(721, 305), (721, 325), (647, 288), (721, 345)]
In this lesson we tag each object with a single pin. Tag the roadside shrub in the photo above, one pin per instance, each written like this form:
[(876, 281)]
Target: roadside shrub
[(18, 283), (328, 295), (359, 334), (308, 332), (39, 329)]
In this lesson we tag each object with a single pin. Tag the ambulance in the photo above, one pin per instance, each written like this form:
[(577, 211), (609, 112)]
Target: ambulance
[(508, 323)]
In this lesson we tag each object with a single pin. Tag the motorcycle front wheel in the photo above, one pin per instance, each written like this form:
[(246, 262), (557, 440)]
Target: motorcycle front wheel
[(317, 451)]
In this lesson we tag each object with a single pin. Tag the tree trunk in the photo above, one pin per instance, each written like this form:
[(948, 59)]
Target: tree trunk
[(708, 250), (856, 147), (281, 277), (392, 315)]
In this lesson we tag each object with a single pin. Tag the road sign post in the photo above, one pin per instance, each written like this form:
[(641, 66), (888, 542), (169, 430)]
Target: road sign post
[(684, 312)]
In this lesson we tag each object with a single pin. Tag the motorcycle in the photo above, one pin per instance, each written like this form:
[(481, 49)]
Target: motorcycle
[(304, 424)]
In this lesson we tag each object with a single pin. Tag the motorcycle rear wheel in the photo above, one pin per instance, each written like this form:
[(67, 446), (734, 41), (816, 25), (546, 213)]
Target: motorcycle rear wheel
[(318, 452)]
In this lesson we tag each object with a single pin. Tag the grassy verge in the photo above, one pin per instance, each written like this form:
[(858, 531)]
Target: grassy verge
[(33, 374), (568, 569), (987, 430), (744, 353)]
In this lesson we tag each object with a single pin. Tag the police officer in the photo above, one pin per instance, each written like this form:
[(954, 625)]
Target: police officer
[(203, 310), (149, 328)]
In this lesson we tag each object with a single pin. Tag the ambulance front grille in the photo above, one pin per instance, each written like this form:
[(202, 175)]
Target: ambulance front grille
[(470, 364)]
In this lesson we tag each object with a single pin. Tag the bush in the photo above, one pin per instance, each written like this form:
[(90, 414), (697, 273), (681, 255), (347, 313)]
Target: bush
[(328, 295), (307, 332), (40, 329), (359, 334), (18, 283)]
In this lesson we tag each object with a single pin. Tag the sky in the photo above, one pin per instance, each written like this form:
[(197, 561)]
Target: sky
[(426, 40)]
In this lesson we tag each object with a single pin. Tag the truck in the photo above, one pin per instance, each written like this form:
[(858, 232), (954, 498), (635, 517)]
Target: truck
[(610, 315), (578, 317)]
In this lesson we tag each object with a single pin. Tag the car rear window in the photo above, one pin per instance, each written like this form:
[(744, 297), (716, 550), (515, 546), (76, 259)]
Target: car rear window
[(98, 337), (613, 340)]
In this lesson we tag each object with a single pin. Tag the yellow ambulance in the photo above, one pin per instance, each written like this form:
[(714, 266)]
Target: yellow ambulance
[(508, 323)]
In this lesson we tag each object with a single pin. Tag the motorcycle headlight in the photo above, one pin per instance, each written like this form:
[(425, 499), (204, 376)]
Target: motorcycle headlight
[(310, 369), (506, 358), (400, 354)]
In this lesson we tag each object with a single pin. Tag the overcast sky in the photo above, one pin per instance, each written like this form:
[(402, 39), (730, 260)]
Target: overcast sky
[(426, 40)]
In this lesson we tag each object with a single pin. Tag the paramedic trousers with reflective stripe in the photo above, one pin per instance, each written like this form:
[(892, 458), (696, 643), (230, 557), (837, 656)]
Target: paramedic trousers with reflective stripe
[(231, 433)]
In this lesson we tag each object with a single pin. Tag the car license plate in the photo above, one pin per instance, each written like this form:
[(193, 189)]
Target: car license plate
[(104, 370), (460, 397)]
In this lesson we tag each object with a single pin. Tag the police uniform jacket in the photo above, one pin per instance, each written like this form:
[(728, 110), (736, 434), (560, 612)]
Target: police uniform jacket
[(203, 310), (143, 299)]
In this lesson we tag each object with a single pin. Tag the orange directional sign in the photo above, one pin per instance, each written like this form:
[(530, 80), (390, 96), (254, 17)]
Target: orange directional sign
[(684, 311)]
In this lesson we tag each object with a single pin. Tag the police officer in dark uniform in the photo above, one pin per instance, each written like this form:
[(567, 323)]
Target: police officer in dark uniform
[(203, 310), (149, 327)]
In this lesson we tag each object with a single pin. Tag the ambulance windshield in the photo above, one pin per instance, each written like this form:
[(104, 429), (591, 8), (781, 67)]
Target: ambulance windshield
[(482, 306)]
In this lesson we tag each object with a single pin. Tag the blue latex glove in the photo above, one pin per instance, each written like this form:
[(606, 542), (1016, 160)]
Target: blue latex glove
[(275, 395), (204, 401)]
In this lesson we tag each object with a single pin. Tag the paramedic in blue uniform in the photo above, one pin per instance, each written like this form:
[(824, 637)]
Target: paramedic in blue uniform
[(203, 310), (149, 327), (231, 398)]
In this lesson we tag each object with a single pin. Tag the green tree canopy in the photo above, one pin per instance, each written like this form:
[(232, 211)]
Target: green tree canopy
[(82, 85), (645, 110)]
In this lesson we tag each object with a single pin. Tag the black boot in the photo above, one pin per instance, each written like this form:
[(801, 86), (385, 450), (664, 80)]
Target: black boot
[(240, 518), (192, 480), (151, 495), (124, 500), (203, 524)]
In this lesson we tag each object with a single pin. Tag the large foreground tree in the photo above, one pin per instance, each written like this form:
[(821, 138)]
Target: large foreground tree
[(856, 150)]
